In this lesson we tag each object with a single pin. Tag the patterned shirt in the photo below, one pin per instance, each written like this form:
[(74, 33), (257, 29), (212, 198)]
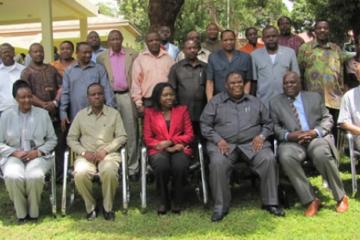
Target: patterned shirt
[(322, 71), (292, 41)]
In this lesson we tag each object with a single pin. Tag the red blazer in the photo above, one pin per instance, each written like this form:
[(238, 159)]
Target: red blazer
[(155, 129)]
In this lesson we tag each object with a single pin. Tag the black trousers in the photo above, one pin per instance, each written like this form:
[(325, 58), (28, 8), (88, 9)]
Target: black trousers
[(170, 164)]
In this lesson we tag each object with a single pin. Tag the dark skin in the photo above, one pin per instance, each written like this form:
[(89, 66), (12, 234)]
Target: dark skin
[(84, 57), (24, 100), (322, 32), (212, 32), (94, 40), (190, 50), (270, 38), (292, 88), (115, 40), (96, 100), (153, 43), (36, 52), (66, 53), (7, 54), (235, 85), (165, 34), (284, 26), (167, 100), (252, 36)]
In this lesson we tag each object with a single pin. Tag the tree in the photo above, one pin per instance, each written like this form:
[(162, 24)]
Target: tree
[(164, 13)]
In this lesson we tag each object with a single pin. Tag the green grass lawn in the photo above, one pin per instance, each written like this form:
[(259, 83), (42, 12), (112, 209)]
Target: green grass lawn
[(245, 221)]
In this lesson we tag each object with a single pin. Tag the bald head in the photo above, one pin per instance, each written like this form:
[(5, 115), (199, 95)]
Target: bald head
[(291, 84)]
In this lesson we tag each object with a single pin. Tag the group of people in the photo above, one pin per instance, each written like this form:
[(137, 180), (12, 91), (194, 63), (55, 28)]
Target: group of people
[(236, 101)]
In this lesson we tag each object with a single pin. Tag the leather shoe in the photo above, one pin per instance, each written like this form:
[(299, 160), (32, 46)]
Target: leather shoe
[(21, 221), (313, 208), (216, 217), (110, 216), (343, 205), (275, 210), (176, 209), (162, 210), (91, 216)]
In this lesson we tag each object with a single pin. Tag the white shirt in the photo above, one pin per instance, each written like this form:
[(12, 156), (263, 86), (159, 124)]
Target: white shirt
[(8, 75)]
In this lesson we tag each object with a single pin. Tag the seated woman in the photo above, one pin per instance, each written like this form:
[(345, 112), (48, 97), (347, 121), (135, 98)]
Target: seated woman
[(26, 137), (167, 136)]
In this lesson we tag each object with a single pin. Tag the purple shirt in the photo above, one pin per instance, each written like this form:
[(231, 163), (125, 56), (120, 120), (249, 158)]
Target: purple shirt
[(117, 61)]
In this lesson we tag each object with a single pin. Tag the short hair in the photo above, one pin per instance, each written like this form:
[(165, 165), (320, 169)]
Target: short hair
[(19, 84), (319, 21), (68, 42), (197, 43), (284, 17), (92, 32), (269, 27), (235, 73), (288, 73), (35, 44), (7, 45), (212, 24), (92, 85), (115, 31), (156, 94), (247, 30), (226, 31), (79, 44)]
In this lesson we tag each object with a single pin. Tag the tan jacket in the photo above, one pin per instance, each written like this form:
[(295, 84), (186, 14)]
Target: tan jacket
[(104, 59)]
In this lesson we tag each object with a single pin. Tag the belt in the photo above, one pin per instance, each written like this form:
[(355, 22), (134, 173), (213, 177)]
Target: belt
[(122, 91)]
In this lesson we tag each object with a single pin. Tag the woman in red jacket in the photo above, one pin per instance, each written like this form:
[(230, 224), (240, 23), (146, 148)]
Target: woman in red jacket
[(167, 136)]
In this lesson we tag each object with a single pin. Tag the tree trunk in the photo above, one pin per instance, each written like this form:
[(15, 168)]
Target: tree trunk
[(164, 13)]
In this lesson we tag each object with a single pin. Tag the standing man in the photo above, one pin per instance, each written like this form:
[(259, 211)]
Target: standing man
[(118, 61), (321, 66), (251, 35), (286, 38), (45, 83), (171, 49), (212, 42), (203, 54), (188, 78), (65, 58), (76, 80), (149, 68), (303, 127), (226, 60), (93, 39), (96, 135), (236, 126), (10, 71), (270, 64)]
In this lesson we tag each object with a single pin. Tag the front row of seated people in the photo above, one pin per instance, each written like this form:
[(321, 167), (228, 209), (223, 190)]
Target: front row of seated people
[(236, 126)]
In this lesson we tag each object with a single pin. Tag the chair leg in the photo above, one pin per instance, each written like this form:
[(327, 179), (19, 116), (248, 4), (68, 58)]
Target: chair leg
[(53, 188), (203, 174), (143, 179), (64, 197), (124, 180), (353, 164)]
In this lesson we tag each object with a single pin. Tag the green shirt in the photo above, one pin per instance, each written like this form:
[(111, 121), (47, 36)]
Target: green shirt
[(91, 132), (321, 68)]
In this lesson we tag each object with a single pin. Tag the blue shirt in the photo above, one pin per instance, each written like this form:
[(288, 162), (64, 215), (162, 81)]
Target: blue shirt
[(74, 89), (171, 49), (219, 67), (298, 103)]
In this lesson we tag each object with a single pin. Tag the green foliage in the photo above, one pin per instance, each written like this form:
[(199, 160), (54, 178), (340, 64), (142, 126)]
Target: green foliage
[(136, 11), (106, 10)]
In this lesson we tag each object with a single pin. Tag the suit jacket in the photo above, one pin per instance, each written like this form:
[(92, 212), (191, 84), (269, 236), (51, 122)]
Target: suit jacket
[(317, 116), (155, 128), (104, 59), (41, 131)]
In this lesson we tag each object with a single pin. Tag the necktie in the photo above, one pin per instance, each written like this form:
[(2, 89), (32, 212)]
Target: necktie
[(295, 112)]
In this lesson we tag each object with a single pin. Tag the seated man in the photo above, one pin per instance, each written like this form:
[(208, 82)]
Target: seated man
[(303, 125), (96, 134), (236, 125), (349, 116)]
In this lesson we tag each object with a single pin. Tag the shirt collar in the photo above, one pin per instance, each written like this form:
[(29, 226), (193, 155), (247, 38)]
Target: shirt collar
[(104, 111), (112, 53), (328, 45), (12, 67), (225, 97), (161, 53), (90, 64), (186, 62)]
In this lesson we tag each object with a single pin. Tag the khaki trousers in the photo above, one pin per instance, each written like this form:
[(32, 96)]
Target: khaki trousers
[(25, 182), (84, 171), (128, 114)]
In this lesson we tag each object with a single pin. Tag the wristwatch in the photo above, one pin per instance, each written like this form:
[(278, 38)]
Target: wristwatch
[(262, 137), (83, 154), (40, 154)]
